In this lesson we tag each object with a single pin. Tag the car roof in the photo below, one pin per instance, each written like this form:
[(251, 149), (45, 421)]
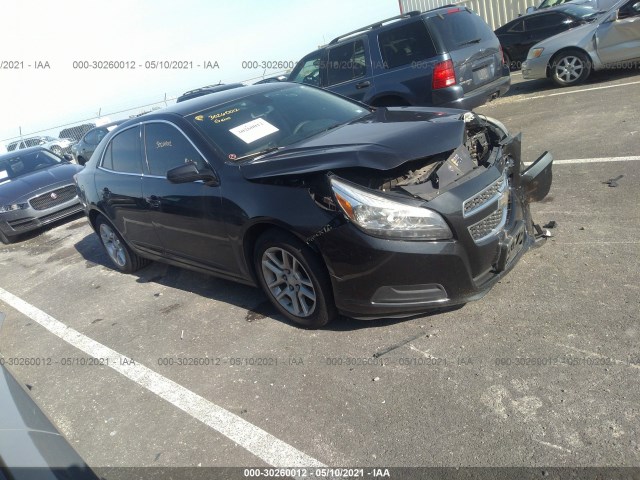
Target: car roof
[(17, 153), (398, 20)]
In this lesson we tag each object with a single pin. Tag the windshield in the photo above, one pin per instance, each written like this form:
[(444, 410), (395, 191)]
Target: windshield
[(274, 119), (18, 165)]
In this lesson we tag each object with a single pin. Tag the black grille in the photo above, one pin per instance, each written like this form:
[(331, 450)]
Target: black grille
[(53, 198)]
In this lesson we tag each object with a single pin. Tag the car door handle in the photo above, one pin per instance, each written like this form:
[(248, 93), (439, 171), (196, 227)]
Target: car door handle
[(364, 84), (153, 201)]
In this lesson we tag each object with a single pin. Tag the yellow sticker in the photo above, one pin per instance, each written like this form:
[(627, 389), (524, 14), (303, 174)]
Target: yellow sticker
[(200, 118)]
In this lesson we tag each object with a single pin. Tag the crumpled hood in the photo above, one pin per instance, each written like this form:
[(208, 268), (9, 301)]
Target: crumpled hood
[(384, 140), (29, 184)]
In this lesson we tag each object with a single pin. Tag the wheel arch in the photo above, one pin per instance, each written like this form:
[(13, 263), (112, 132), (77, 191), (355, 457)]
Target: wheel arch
[(253, 232)]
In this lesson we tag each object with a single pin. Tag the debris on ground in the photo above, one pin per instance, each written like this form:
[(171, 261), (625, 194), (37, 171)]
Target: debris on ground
[(613, 182), (551, 224)]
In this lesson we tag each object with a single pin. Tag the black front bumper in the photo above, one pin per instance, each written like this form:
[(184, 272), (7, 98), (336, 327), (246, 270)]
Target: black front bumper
[(375, 277)]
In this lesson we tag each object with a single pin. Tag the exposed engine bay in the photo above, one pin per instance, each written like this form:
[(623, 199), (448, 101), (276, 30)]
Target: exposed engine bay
[(426, 178)]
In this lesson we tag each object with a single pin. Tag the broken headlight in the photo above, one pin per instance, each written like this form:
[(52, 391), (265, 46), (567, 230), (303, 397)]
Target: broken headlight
[(384, 217)]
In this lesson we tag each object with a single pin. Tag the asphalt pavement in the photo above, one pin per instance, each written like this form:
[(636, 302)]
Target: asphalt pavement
[(544, 371)]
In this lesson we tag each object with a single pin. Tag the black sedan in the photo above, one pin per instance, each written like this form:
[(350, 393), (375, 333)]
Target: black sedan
[(329, 205), (36, 188), (519, 35)]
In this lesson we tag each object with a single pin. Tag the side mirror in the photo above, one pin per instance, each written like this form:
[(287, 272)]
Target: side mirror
[(189, 173), (68, 157), (530, 9)]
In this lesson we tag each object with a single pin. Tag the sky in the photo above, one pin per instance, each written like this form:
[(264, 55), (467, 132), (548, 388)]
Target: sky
[(60, 35)]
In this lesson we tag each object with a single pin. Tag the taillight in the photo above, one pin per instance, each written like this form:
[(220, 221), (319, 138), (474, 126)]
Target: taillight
[(444, 75), (504, 62)]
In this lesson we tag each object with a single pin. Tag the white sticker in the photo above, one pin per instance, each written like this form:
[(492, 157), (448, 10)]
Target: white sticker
[(3, 174), (254, 130)]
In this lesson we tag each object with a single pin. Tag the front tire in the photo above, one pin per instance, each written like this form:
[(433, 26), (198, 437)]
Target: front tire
[(570, 68), (294, 279), (122, 257)]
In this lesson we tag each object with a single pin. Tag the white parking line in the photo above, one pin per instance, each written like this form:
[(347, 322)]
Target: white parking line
[(575, 91), (263, 445), (593, 160)]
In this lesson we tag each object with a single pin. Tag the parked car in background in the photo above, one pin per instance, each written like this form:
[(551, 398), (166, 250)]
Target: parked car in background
[(599, 5), (76, 133), (447, 57), (82, 151), (519, 35), (198, 92), (59, 146), (610, 41), (36, 188), (326, 203)]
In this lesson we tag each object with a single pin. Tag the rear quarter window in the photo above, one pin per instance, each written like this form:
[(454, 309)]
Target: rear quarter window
[(406, 44), (459, 29)]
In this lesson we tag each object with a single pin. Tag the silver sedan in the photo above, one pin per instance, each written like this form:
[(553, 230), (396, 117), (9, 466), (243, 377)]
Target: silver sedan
[(612, 40)]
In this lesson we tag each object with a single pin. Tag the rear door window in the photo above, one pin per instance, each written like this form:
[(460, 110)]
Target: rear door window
[(123, 153), (406, 44), (459, 29)]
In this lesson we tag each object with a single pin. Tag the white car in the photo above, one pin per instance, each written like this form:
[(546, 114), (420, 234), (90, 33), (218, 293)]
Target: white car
[(59, 146), (612, 40)]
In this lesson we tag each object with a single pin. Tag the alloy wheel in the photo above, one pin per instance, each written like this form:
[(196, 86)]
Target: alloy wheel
[(288, 282), (569, 68), (112, 244)]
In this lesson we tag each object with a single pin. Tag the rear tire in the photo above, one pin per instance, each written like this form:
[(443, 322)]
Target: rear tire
[(570, 67), (294, 279), (122, 257), (508, 62)]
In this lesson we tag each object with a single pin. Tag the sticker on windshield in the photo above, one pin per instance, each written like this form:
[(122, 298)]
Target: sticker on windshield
[(3, 174), (254, 130)]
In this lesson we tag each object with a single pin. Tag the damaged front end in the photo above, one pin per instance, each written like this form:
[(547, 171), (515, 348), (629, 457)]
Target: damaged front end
[(428, 232)]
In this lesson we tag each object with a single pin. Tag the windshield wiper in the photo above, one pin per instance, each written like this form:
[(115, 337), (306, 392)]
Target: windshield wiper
[(476, 40), (257, 154)]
